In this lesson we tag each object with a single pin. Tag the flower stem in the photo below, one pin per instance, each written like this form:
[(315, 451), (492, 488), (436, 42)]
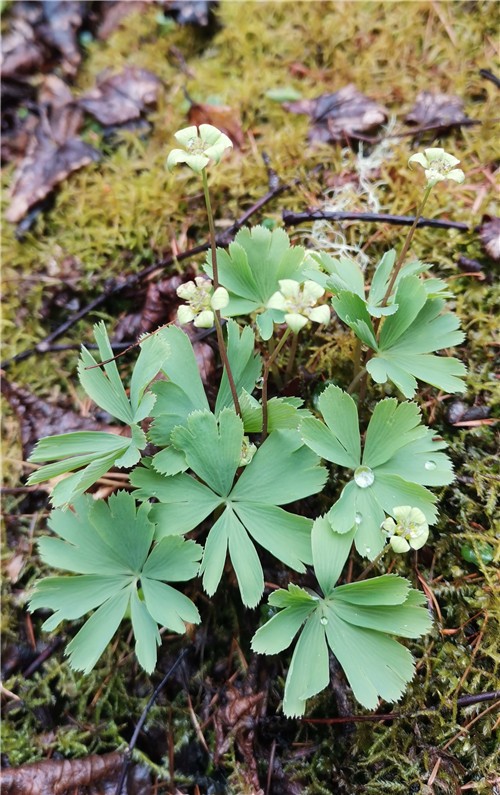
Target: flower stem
[(371, 565), (215, 273), (291, 356), (406, 246), (265, 377)]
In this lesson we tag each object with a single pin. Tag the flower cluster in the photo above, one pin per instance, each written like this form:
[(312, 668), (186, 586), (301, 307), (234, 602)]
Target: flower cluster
[(202, 144), (409, 531), (298, 302), (438, 165), (202, 302)]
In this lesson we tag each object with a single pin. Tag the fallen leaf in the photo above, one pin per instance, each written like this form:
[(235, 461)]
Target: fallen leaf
[(121, 97), (236, 721), (192, 12), (113, 13), (489, 232), (39, 418), (221, 116), (21, 53), (437, 110), (54, 152), (61, 22), (73, 776), (345, 114)]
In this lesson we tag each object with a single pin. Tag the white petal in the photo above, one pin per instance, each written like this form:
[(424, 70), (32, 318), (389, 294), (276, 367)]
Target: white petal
[(220, 298), (205, 319), (186, 135), (185, 314), (388, 526), (289, 288), (320, 314), (186, 291), (399, 544), (277, 301), (420, 159), (434, 153), (402, 512), (176, 156), (295, 321), (420, 540), (312, 291), (457, 175)]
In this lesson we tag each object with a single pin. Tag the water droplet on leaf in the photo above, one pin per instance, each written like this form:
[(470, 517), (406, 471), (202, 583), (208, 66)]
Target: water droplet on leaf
[(363, 477), (323, 620), (358, 518), (430, 465)]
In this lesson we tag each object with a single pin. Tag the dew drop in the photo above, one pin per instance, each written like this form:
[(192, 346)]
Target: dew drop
[(363, 477), (358, 518), (368, 550), (323, 620), (430, 465)]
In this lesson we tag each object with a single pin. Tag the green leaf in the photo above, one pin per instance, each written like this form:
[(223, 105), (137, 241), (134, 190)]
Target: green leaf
[(212, 447), (282, 413), (339, 440), (168, 607), (352, 310), (154, 351), (392, 426), (375, 665), (104, 385), (111, 544), (407, 341), (255, 262), (309, 671), (380, 281), (407, 622), (344, 273), (282, 470), (245, 560), (420, 462), (184, 501), (330, 551), (89, 643), (169, 461), (277, 634), (286, 535), (245, 365), (182, 393), (147, 637), (214, 555), (392, 490), (389, 589)]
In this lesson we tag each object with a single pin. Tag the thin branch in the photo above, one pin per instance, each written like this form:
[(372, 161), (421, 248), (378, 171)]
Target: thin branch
[(292, 219), (156, 692)]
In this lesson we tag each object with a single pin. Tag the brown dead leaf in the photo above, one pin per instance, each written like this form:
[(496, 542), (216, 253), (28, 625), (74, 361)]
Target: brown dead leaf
[(38, 418), (236, 722), (54, 152), (22, 54), (121, 97), (61, 22), (192, 12), (345, 114), (432, 109), (113, 13), (89, 775), (489, 233), (221, 116)]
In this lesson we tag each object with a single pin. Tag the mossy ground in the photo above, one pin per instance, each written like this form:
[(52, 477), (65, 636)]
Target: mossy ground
[(123, 213)]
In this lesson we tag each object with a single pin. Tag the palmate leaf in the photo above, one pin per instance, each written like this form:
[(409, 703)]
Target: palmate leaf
[(93, 453), (251, 270), (282, 470), (400, 457), (246, 366), (109, 547), (354, 621)]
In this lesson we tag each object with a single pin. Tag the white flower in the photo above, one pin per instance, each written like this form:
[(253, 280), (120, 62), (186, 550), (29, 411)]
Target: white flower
[(298, 303), (202, 301), (409, 531), (201, 144), (438, 165)]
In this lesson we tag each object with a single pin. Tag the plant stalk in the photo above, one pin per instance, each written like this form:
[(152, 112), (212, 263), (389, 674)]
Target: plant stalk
[(265, 377), (215, 272)]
